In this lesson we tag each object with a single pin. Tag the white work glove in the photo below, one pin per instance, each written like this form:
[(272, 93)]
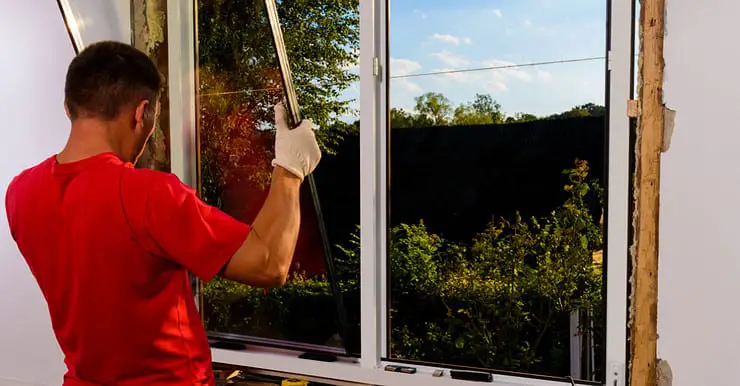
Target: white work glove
[(296, 150)]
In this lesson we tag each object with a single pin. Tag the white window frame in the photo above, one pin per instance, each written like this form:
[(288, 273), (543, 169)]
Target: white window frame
[(183, 119), (620, 59), (71, 23), (373, 169)]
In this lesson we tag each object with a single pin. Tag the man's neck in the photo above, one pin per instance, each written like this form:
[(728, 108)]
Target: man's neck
[(87, 138)]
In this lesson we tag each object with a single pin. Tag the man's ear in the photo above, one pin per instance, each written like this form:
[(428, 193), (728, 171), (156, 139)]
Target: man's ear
[(140, 115), (66, 111)]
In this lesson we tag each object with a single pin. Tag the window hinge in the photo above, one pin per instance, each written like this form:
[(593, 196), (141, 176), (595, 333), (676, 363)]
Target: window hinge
[(377, 69)]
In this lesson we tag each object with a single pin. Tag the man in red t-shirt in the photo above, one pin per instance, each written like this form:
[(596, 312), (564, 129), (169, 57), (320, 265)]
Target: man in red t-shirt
[(111, 246)]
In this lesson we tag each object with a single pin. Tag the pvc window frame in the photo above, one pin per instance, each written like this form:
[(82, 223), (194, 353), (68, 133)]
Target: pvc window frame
[(70, 21), (368, 369)]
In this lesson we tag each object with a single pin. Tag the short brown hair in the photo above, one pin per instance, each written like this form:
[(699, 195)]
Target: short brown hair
[(108, 76)]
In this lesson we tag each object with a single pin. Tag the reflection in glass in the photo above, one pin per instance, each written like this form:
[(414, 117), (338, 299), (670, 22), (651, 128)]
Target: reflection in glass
[(496, 171), (238, 85), (90, 21)]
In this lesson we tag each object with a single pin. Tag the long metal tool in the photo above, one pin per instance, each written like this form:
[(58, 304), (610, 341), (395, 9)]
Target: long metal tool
[(282, 56), (294, 112)]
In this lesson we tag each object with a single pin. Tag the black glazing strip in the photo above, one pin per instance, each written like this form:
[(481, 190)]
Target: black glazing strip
[(69, 29)]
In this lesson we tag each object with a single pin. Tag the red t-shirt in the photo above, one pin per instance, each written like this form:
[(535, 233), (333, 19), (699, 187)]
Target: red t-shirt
[(110, 247)]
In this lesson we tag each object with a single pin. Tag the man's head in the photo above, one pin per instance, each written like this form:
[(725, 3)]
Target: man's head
[(117, 85)]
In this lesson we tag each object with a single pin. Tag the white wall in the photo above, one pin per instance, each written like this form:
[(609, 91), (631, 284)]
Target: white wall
[(36, 51), (699, 290)]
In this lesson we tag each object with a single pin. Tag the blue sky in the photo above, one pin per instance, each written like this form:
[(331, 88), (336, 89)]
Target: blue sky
[(438, 35)]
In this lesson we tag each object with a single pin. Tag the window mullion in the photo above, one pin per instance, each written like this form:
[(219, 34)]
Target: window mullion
[(181, 46), (619, 78), (369, 198)]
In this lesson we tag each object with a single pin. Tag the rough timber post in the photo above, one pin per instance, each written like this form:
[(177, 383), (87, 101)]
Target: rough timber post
[(644, 307), (149, 34)]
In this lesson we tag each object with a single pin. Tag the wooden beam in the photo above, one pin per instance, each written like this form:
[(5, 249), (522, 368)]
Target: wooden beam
[(644, 316), (149, 34)]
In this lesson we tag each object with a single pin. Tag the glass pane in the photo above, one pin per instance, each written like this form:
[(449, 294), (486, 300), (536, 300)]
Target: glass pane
[(496, 170), (238, 86), (90, 21)]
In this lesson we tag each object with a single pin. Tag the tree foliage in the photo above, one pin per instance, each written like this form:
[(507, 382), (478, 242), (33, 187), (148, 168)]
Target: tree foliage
[(483, 110), (239, 80), (587, 110), (434, 109), (500, 301), (495, 301)]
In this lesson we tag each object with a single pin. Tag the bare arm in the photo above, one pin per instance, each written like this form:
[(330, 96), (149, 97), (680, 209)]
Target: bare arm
[(265, 257)]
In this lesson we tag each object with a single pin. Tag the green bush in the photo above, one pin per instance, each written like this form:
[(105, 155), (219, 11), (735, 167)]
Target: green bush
[(503, 301), (235, 308)]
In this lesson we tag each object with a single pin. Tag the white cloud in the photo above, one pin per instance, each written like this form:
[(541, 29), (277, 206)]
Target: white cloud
[(458, 77), (451, 39), (451, 59), (544, 76), (446, 38), (527, 22), (494, 80), (401, 67), (498, 80), (510, 72), (408, 86), (403, 92), (498, 13)]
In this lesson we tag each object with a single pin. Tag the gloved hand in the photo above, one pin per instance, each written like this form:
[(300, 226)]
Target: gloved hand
[(296, 150)]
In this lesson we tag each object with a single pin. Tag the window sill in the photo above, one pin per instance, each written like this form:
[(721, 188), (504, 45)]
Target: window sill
[(349, 370)]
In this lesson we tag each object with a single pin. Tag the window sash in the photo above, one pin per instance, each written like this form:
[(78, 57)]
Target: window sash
[(374, 90)]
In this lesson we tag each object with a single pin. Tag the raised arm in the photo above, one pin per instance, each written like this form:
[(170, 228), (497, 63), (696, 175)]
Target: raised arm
[(263, 260), (170, 220)]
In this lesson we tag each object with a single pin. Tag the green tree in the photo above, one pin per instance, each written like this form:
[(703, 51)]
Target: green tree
[(521, 117), (434, 109), (484, 104), (587, 110), (483, 110), (402, 119), (498, 301), (239, 80)]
